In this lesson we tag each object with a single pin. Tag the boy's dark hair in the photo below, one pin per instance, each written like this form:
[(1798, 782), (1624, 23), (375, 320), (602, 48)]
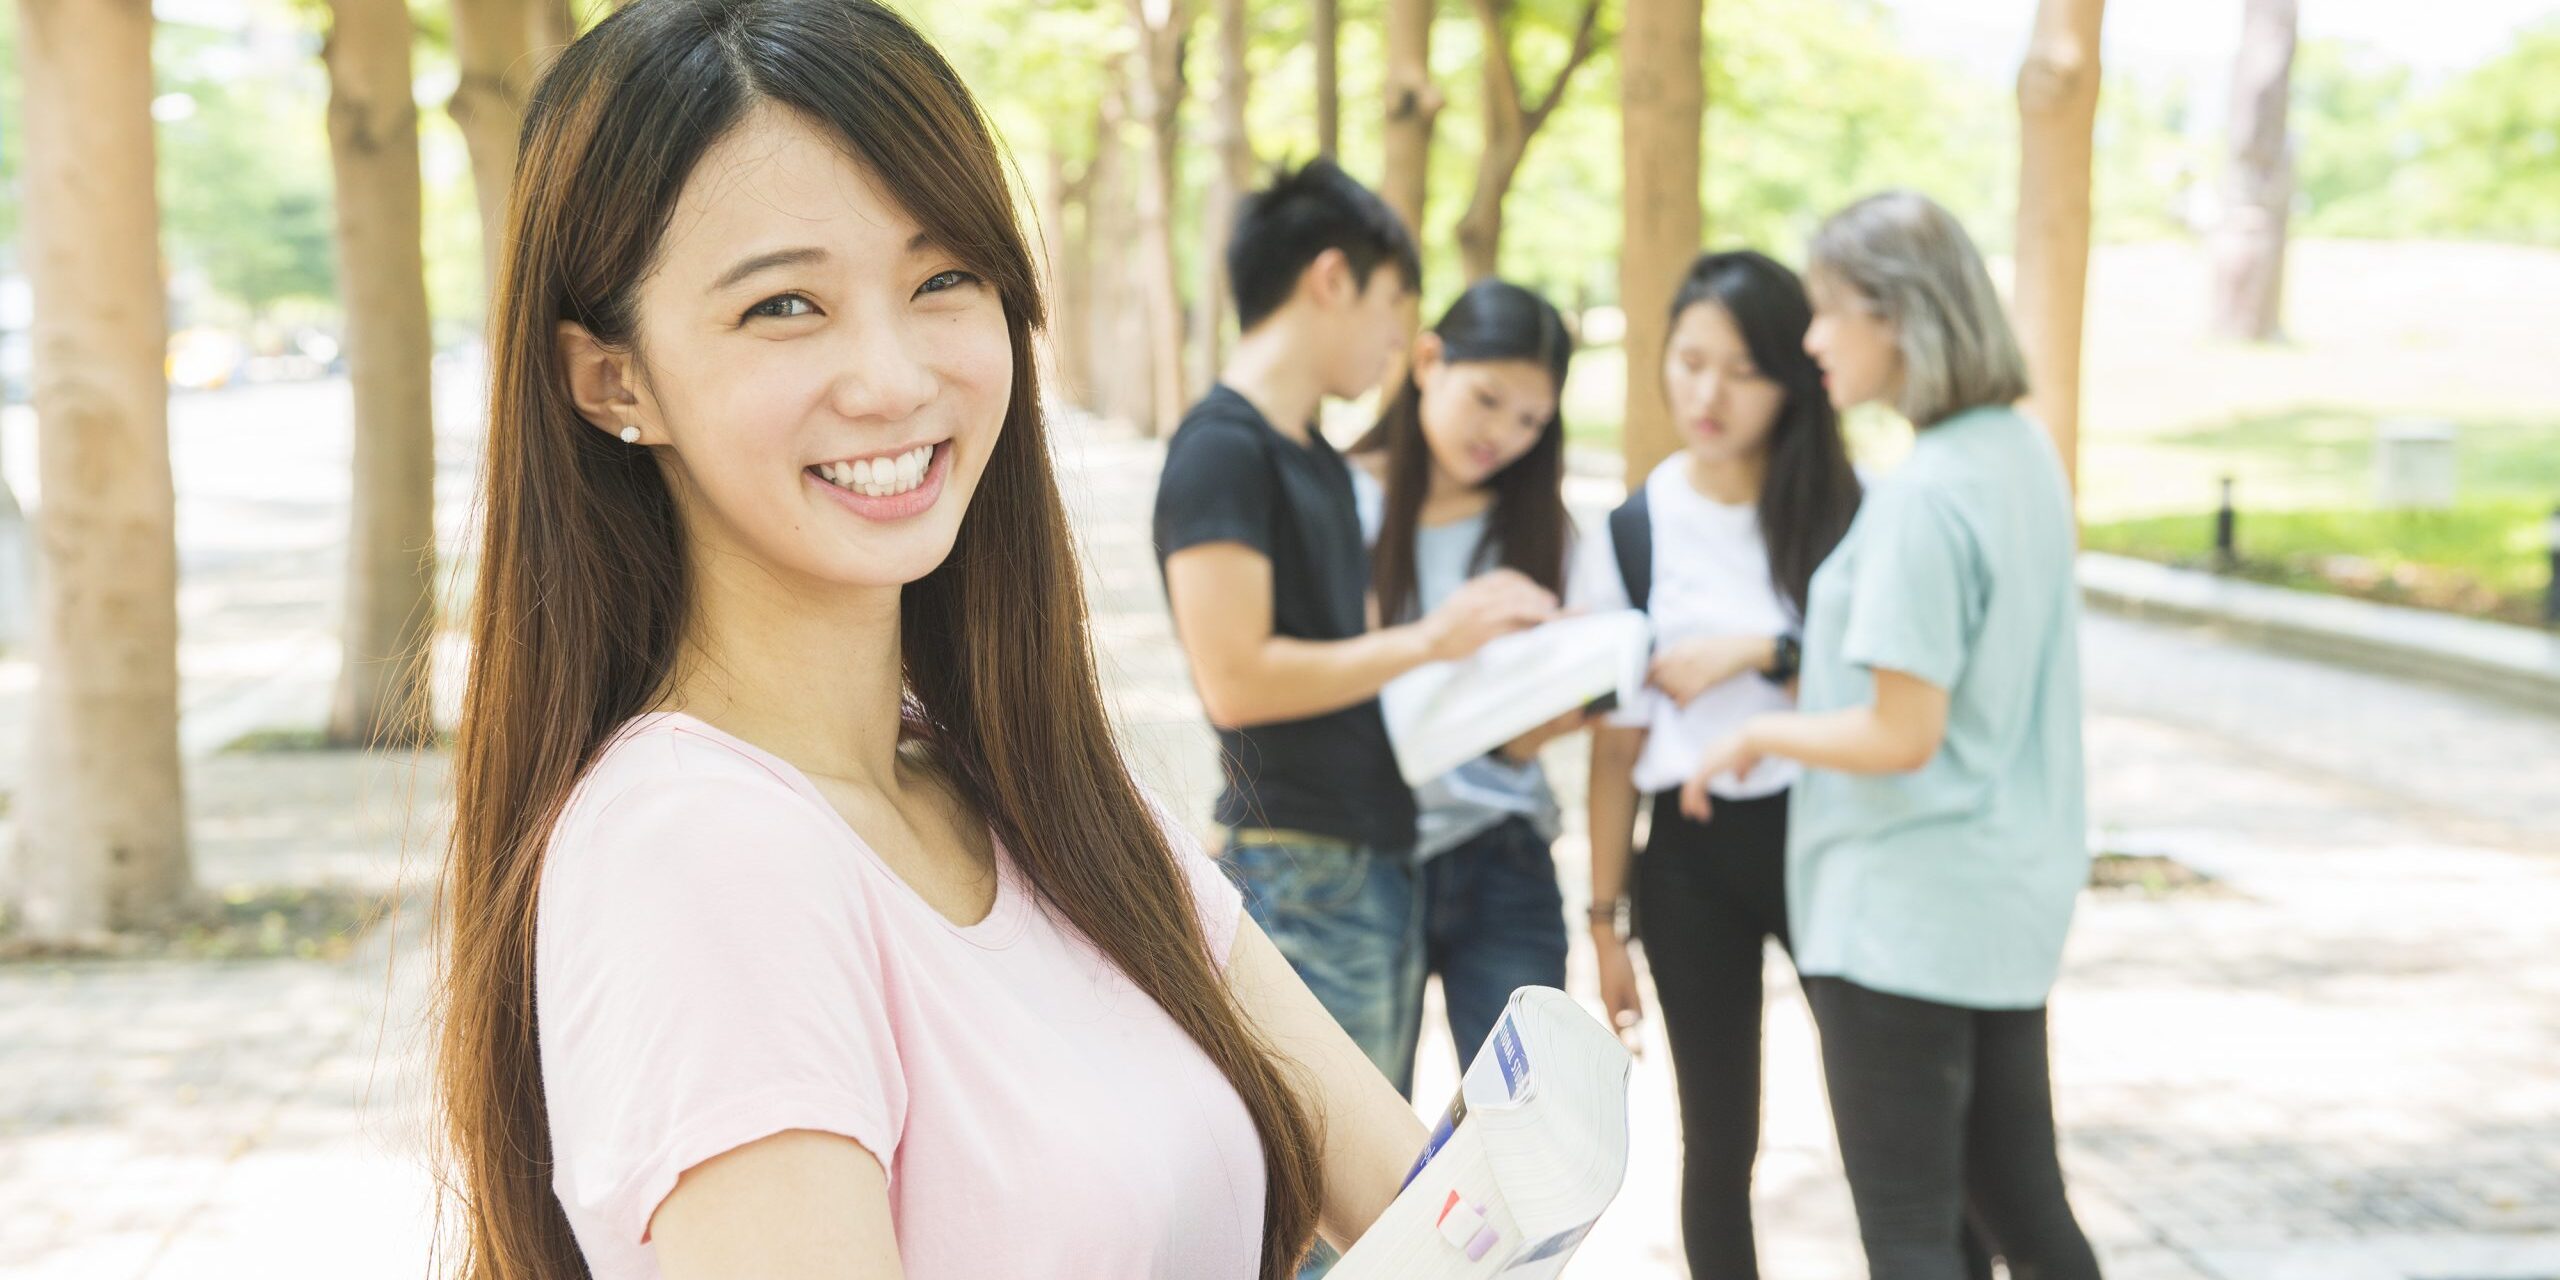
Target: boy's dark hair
[(1282, 228)]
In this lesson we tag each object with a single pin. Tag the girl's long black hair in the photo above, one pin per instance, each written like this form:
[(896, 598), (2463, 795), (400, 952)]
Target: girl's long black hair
[(1527, 525), (1809, 493)]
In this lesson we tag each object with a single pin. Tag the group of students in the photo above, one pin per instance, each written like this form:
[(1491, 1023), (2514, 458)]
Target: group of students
[(1859, 738), (801, 913)]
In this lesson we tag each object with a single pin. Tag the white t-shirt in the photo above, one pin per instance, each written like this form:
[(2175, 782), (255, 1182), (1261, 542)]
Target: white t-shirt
[(1710, 578)]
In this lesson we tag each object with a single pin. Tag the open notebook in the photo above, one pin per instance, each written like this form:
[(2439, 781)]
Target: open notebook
[(1532, 1149), (1442, 715)]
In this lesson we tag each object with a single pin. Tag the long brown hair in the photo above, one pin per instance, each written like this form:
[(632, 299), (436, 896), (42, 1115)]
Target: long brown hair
[(583, 594), (1526, 525)]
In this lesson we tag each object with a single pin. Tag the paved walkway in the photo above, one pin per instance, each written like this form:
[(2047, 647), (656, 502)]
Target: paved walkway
[(2340, 1068)]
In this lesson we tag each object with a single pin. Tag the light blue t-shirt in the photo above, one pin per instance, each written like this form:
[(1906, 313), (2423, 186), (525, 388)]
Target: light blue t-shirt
[(1955, 883), (1476, 796)]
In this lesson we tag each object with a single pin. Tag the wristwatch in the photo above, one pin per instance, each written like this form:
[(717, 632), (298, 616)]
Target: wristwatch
[(1787, 659)]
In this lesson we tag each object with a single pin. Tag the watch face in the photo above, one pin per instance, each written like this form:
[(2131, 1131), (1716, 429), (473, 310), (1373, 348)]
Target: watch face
[(1789, 653)]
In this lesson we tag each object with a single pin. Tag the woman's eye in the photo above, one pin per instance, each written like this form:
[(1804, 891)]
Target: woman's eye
[(1487, 401), (947, 280), (782, 307)]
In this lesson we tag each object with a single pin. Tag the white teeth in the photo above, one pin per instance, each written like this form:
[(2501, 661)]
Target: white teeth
[(880, 477)]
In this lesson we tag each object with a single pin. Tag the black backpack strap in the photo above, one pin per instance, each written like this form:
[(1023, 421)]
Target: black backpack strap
[(1631, 537)]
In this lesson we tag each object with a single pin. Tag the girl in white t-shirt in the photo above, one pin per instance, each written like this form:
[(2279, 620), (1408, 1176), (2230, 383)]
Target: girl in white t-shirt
[(1718, 546)]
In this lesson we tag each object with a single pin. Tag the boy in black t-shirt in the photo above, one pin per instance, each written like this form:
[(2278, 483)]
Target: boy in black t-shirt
[(1263, 561)]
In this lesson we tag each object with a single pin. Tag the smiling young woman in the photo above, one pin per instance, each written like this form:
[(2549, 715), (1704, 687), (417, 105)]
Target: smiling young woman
[(802, 913)]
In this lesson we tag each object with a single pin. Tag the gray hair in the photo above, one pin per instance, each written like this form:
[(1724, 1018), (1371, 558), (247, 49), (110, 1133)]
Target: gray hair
[(1910, 261)]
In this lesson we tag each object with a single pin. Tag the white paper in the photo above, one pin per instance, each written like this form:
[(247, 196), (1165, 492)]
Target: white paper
[(1444, 714)]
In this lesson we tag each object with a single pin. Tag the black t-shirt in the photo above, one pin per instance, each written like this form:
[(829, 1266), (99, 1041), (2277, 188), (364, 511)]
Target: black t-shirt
[(1229, 476)]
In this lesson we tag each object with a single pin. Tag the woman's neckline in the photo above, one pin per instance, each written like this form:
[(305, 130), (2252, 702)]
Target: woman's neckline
[(1361, 463), (996, 928)]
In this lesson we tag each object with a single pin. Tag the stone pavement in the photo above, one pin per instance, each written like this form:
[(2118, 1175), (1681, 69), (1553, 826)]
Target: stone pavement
[(2337, 1067)]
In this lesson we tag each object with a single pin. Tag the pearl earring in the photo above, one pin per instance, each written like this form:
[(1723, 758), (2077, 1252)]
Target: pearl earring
[(631, 435)]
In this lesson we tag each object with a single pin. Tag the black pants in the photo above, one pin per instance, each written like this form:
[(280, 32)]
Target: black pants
[(1707, 897), (1946, 1115)]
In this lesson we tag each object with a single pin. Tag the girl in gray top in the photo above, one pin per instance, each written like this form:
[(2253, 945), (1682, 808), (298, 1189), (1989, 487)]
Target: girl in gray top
[(1464, 474)]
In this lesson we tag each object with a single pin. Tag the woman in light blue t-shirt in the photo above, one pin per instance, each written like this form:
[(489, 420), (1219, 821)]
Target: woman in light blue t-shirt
[(1462, 474), (1936, 841)]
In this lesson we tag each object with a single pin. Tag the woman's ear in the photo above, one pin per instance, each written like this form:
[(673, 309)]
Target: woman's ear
[(602, 383), (1430, 355)]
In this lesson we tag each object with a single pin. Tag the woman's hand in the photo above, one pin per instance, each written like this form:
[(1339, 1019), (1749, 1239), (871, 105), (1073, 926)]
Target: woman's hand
[(1618, 983), (1700, 663), (1482, 608), (1734, 756)]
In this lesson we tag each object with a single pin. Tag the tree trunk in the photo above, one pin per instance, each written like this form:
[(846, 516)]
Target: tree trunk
[(1164, 28), (1326, 31), (1509, 123), (2248, 255), (1122, 383), (550, 26), (2057, 107), (1062, 195), (1227, 185), (1506, 143), (493, 41), (373, 149), (1413, 103), (101, 826), (1663, 95)]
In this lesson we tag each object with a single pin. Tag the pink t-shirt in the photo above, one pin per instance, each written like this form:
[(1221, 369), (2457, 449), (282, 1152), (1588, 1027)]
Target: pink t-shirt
[(719, 957)]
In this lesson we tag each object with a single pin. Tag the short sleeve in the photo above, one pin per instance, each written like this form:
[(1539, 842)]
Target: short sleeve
[(1915, 598), (1217, 487), (1592, 582), (1369, 500), (1593, 585), (707, 977), (1219, 902)]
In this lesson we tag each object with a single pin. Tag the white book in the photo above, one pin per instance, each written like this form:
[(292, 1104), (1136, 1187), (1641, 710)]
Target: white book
[(1443, 714), (1529, 1154)]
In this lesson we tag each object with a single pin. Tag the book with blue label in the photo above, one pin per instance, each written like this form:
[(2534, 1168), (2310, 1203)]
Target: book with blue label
[(1530, 1152)]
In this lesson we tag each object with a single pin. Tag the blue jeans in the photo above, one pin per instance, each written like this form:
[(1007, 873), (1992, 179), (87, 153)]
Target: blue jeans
[(1349, 920), (1492, 922)]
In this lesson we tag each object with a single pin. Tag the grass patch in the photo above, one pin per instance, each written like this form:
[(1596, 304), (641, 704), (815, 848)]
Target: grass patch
[(323, 922), (278, 739), (2304, 459), (286, 739), (2151, 875), (2482, 559), (2496, 458)]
